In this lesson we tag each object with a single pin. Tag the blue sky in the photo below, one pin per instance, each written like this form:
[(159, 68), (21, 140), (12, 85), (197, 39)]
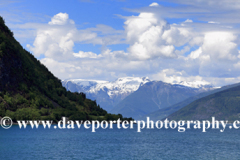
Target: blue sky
[(173, 41)]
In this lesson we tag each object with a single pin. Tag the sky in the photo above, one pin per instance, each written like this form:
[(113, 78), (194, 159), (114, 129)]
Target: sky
[(167, 40)]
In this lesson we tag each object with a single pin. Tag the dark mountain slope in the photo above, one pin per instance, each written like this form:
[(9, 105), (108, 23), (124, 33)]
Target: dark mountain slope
[(29, 91), (223, 105), (163, 113)]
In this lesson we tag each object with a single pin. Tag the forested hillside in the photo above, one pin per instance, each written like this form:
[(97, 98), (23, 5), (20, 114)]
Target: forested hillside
[(28, 91)]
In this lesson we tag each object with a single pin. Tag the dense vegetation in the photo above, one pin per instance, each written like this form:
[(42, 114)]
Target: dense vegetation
[(29, 91), (223, 105)]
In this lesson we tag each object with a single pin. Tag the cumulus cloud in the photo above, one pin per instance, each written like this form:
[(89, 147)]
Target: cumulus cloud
[(145, 35), (150, 36), (54, 42), (57, 38), (60, 68), (220, 45), (60, 19), (177, 36), (186, 51), (217, 57), (217, 46)]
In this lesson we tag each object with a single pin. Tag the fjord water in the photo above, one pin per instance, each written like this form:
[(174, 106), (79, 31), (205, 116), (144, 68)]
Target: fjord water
[(119, 144)]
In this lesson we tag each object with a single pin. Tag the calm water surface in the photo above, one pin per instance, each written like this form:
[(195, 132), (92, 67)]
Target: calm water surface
[(119, 144)]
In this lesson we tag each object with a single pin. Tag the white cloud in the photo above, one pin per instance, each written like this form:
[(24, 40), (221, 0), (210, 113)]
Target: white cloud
[(156, 48), (56, 40), (217, 46), (145, 35), (196, 54), (82, 54), (154, 4), (220, 45), (177, 36), (60, 68), (60, 19), (173, 76), (188, 21)]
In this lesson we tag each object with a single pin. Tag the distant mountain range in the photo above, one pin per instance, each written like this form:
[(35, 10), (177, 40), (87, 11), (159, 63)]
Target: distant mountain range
[(135, 96), (153, 96), (223, 105), (165, 112), (107, 94)]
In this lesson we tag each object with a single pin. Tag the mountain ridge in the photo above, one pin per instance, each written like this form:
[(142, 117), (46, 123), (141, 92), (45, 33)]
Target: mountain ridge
[(108, 94), (223, 105), (152, 96), (125, 84), (163, 113)]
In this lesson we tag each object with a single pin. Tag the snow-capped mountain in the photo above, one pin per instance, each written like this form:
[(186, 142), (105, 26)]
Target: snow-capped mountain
[(196, 84), (121, 86), (110, 94), (157, 95), (107, 94), (81, 85)]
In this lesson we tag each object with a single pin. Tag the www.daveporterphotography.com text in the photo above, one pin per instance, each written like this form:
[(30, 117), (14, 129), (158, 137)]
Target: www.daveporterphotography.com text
[(94, 125)]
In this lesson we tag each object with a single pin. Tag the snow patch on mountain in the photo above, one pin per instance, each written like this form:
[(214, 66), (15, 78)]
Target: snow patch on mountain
[(125, 85), (196, 84), (85, 82)]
